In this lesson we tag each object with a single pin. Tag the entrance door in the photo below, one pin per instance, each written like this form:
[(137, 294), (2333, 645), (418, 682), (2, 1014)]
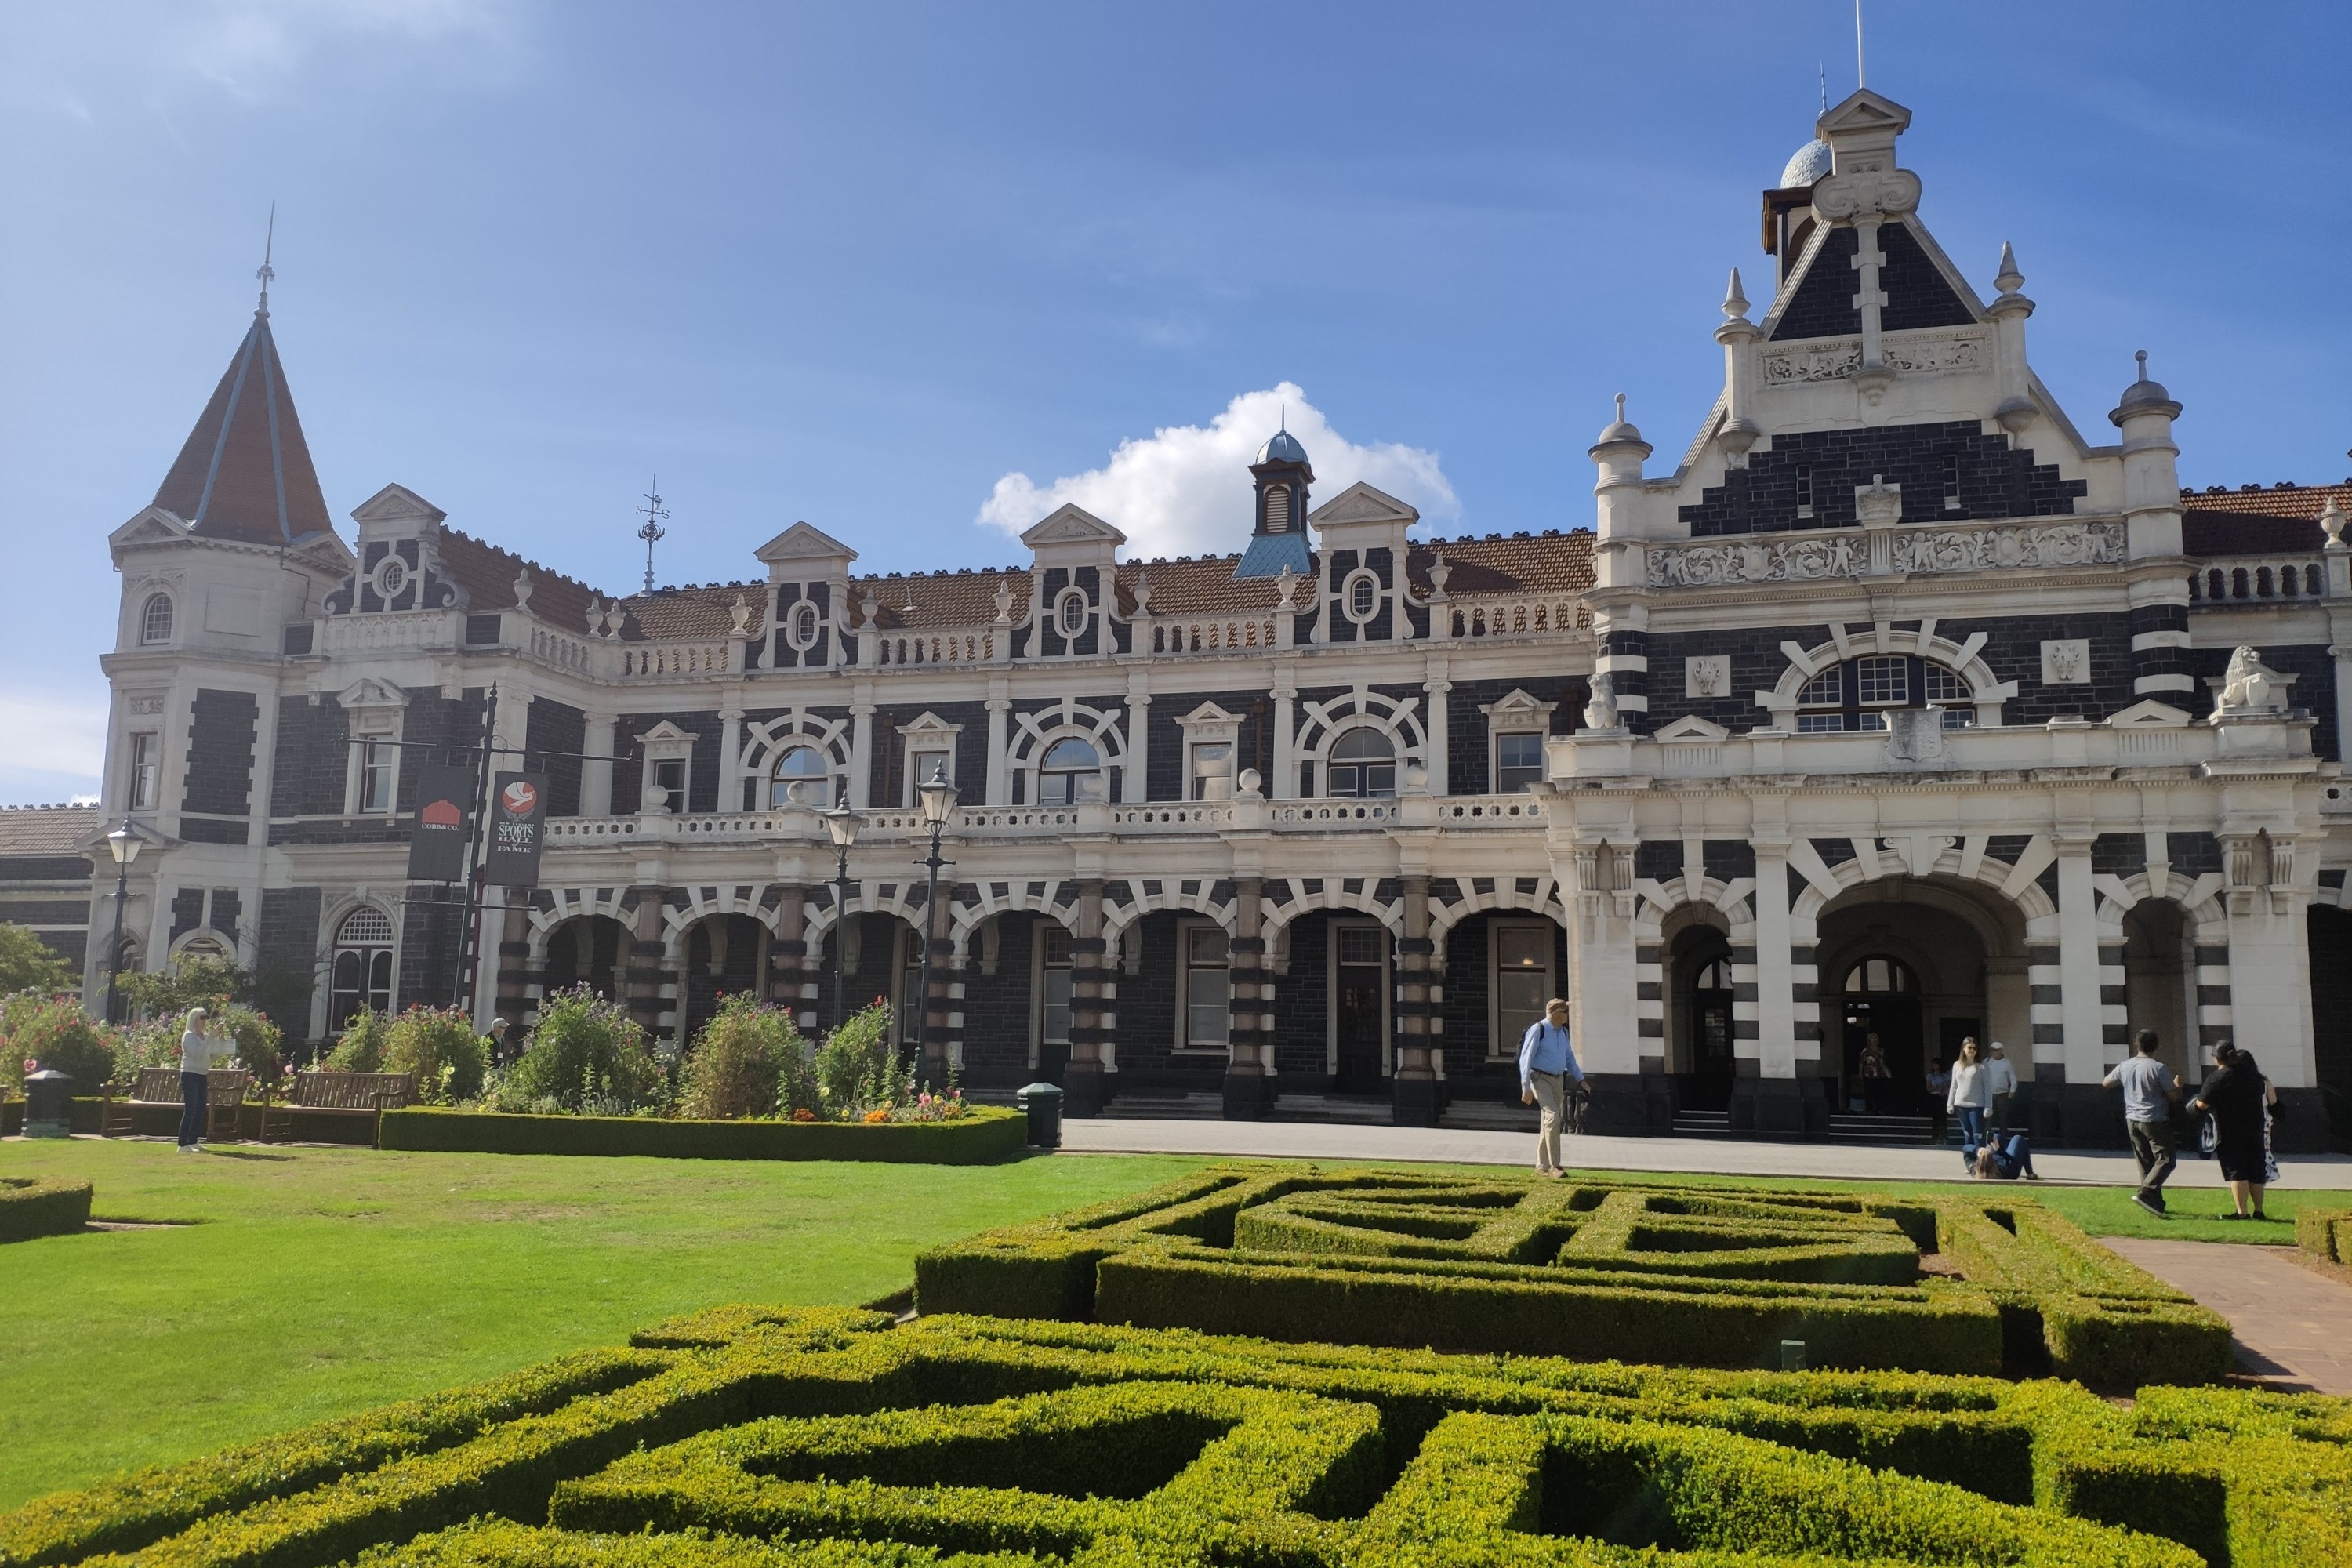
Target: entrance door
[(1359, 991), (1882, 1003), (1711, 1036)]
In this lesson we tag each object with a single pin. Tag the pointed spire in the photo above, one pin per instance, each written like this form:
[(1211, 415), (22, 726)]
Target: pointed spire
[(1735, 299), (267, 274), (2009, 279), (244, 472)]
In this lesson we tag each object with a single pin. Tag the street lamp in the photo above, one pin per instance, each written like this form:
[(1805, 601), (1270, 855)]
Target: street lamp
[(939, 798), (124, 844), (842, 824)]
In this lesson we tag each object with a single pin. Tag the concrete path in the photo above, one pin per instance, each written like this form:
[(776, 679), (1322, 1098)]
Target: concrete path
[(1322, 1141), (2294, 1328)]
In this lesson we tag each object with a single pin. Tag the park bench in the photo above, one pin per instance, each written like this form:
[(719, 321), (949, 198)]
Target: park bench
[(327, 1093), (158, 1087)]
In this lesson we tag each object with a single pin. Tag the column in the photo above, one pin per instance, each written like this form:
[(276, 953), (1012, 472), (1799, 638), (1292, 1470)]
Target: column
[(2085, 1114), (861, 750), (512, 998), (645, 975), (1601, 962), (1414, 1088), (1441, 747), (1000, 706), (597, 768), (1251, 1037), (940, 1017), (1082, 1079), (730, 759), (1134, 779), (1284, 786), (788, 959), (2269, 992)]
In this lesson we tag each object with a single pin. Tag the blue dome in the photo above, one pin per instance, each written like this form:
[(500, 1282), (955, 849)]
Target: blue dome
[(1283, 447)]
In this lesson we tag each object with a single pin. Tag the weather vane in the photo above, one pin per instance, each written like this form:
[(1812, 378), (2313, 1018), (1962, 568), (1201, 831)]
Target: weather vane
[(267, 274), (653, 512)]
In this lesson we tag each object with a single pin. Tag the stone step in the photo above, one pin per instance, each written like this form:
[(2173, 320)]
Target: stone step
[(1358, 1110), (1146, 1106), (1489, 1116), (1863, 1129)]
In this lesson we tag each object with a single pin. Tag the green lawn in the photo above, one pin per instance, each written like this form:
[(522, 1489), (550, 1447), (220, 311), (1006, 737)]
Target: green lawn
[(322, 1281)]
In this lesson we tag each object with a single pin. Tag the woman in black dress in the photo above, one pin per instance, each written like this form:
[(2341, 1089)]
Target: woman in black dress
[(2238, 1098)]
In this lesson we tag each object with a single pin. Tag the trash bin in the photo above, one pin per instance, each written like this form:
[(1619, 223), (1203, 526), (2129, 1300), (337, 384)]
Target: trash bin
[(1043, 1102), (48, 1104)]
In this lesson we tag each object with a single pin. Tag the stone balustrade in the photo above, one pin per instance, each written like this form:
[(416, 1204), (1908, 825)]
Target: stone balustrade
[(2256, 580)]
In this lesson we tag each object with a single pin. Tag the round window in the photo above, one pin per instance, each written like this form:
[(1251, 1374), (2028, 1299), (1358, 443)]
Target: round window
[(1072, 612), (1363, 596), (392, 576)]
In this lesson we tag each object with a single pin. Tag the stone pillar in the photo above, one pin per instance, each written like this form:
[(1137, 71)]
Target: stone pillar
[(2086, 1114), (788, 959), (1439, 754), (1081, 1081), (939, 1009), (1250, 1039), (730, 757), (1000, 705), (1602, 963), (861, 753), (597, 768), (2269, 993), (512, 999), (1284, 786), (645, 975), (1413, 1091), (1779, 1053)]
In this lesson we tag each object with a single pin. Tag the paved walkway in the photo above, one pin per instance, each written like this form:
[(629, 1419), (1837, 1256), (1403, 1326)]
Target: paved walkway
[(1322, 1141), (2293, 1326)]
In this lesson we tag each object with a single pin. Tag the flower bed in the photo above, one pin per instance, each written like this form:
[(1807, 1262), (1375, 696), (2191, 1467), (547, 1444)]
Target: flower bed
[(1510, 1263), (744, 1436), (979, 1135), (31, 1206)]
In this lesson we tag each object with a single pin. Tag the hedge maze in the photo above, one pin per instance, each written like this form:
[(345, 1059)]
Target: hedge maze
[(1677, 1276), (31, 1206), (742, 1438)]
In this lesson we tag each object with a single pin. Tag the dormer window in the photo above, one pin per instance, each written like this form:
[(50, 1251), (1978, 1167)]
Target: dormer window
[(155, 620), (802, 630), (1072, 610), (1363, 596)]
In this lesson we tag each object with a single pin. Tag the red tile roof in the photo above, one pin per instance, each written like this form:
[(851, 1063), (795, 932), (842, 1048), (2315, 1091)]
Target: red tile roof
[(46, 829), (2257, 520), (244, 472)]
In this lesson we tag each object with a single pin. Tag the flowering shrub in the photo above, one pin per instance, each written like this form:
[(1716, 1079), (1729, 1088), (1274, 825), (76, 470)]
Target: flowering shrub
[(439, 1046), (876, 1117), (932, 1108), (586, 1054), (858, 1069), (54, 1032), (747, 1061), (362, 1048)]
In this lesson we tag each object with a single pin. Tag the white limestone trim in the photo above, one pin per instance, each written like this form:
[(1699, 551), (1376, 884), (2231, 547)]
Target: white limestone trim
[(1058, 903), (1322, 722), (1034, 733), (1505, 896), (1985, 690), (1353, 894), (766, 742)]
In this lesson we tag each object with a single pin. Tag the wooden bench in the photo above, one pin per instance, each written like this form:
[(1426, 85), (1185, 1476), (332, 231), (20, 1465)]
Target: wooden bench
[(158, 1087), (323, 1093)]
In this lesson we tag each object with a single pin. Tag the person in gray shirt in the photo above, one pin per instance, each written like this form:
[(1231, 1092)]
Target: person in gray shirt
[(2149, 1092)]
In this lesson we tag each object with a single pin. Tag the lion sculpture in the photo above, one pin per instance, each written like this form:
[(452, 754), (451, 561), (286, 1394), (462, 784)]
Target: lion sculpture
[(2250, 685)]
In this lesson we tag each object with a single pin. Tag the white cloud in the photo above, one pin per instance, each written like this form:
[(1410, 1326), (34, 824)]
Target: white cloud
[(1185, 488), (55, 748)]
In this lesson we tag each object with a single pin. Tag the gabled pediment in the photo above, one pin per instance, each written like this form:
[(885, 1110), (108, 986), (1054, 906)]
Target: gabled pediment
[(1691, 726), (396, 504), (1073, 525), (1360, 502), (930, 723), (1517, 703), (2148, 714), (801, 544), (664, 733), (369, 692), (153, 525), (1208, 713), (1865, 111)]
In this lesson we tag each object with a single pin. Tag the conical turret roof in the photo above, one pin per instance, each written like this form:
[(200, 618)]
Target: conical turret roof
[(246, 472)]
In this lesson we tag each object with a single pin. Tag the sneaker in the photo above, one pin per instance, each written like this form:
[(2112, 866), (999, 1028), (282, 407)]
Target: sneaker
[(2151, 1205)]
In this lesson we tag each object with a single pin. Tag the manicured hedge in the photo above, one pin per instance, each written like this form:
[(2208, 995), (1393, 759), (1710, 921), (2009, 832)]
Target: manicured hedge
[(45, 1205), (749, 1437), (982, 1134), (2325, 1234), (1509, 1263)]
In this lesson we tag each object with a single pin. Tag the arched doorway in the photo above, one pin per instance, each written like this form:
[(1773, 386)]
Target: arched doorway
[(724, 954), (1921, 962), (2159, 981), (586, 951), (1879, 1006), (1700, 1018)]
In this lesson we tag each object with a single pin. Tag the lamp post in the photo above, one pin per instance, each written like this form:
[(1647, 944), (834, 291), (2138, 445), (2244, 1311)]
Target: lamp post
[(938, 799), (842, 824), (124, 844)]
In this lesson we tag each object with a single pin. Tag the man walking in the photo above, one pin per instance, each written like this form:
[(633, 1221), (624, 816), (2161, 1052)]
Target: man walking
[(2003, 1078), (2149, 1088), (195, 1081), (1547, 1064)]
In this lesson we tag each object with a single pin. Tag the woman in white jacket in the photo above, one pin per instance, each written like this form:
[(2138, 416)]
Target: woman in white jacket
[(1971, 1096)]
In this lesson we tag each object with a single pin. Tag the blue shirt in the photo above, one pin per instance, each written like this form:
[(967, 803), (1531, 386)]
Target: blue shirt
[(1546, 1050)]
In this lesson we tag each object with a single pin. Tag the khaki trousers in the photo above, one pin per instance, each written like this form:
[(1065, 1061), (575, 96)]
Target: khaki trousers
[(1551, 1099)]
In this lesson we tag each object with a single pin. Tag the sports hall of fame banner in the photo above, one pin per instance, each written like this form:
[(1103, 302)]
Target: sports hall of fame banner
[(518, 827)]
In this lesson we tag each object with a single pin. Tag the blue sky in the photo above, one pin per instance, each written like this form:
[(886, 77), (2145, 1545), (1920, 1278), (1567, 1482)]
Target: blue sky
[(911, 271)]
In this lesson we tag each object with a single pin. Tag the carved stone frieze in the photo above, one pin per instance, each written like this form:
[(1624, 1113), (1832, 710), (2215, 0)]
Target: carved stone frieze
[(1980, 549), (1760, 560), (1923, 355), (1764, 558)]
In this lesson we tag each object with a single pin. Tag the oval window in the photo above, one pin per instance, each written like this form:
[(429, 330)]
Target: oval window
[(1363, 596), (1074, 611), (804, 626)]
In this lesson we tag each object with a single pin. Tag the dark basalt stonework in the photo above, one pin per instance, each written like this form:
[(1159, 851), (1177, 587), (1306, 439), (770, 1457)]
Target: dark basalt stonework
[(1994, 480)]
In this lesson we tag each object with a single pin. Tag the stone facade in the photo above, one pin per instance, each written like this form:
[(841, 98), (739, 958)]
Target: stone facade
[(1897, 708)]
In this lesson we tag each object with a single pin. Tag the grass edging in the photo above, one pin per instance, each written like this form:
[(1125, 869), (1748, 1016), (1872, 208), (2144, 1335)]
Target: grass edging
[(980, 1136), (31, 1206)]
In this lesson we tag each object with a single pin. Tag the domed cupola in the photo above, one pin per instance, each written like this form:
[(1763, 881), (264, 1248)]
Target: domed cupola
[(1806, 166), (1278, 538)]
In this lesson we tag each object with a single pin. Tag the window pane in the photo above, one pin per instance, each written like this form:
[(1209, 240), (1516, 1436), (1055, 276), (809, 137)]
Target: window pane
[(1522, 947), (1208, 1016), (1518, 763), (1882, 679), (1056, 945), (1054, 998), (1943, 686), (1360, 944), (1819, 723), (1361, 744), (1519, 998), (1205, 945)]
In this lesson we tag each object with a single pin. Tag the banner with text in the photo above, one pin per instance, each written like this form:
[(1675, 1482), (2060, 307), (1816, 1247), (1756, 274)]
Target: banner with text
[(518, 824), (437, 847)]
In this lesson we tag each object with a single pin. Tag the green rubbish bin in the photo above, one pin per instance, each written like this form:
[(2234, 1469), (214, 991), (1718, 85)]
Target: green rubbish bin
[(1043, 1102)]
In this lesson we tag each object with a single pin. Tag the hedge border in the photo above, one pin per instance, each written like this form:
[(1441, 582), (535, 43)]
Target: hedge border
[(2325, 1234), (983, 1134), (1457, 1456), (33, 1206), (2037, 1291)]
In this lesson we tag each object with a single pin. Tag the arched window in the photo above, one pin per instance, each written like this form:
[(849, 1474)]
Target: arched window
[(801, 778), (1072, 611), (804, 629), (155, 619), (361, 968), (1363, 596), (1363, 764), (1856, 695), (1072, 772), (1881, 976)]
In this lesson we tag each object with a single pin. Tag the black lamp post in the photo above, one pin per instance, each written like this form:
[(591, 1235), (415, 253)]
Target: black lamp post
[(124, 844), (938, 799), (842, 824)]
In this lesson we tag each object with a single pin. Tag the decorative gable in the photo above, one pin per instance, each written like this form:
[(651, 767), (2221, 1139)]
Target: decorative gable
[(1072, 536), (1360, 503), (802, 551)]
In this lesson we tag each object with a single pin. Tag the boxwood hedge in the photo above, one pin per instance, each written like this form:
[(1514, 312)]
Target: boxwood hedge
[(982, 1134), (43, 1206), (2325, 1234), (749, 1437), (1512, 1263)]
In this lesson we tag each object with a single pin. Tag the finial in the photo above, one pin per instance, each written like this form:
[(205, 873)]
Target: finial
[(266, 273), (653, 512), (2010, 277), (1735, 301), (1861, 80), (1285, 419), (1825, 87), (1621, 408), (2142, 357)]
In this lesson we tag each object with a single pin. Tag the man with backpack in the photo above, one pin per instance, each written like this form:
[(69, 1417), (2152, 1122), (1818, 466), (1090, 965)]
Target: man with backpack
[(1547, 1067)]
